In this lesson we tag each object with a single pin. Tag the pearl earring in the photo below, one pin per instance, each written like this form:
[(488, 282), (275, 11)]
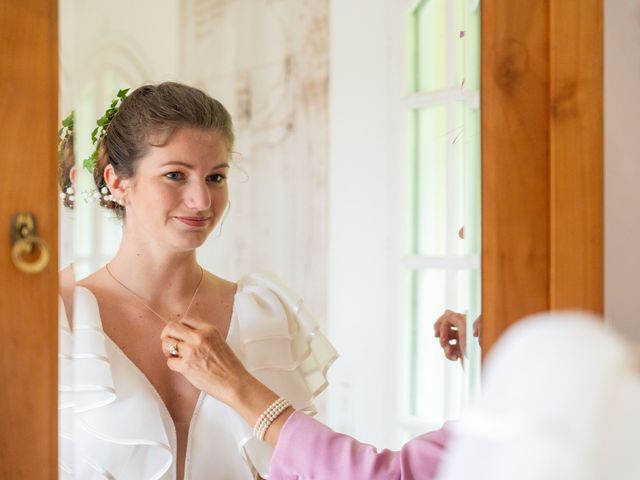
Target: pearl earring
[(68, 195), (104, 195)]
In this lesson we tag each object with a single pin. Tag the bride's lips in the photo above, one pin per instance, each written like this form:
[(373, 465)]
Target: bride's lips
[(194, 221)]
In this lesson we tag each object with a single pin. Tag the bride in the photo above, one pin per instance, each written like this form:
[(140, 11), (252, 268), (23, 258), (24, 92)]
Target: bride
[(162, 164)]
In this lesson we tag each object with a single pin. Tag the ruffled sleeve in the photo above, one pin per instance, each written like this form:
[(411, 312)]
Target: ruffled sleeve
[(65, 396), (116, 433), (281, 344)]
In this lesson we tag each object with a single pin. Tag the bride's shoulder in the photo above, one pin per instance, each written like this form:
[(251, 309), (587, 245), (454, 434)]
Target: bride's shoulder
[(75, 292), (215, 281), (66, 286), (96, 282), (93, 289), (217, 288)]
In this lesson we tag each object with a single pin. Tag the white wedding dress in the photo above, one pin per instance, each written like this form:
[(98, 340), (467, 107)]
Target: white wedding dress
[(122, 429)]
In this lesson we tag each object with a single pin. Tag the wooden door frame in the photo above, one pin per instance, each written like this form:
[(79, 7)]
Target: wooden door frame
[(542, 159), (28, 302)]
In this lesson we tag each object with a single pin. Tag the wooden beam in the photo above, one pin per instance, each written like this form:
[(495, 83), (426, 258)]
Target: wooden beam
[(515, 166), (576, 139)]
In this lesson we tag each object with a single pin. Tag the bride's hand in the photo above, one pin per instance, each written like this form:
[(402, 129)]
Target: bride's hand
[(205, 359)]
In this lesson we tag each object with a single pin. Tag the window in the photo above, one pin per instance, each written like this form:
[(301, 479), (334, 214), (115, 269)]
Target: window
[(443, 269)]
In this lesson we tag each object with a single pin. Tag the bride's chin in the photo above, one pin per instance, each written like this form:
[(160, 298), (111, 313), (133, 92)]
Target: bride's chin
[(193, 241)]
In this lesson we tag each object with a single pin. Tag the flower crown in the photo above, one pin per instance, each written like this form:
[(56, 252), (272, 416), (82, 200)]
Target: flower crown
[(100, 131)]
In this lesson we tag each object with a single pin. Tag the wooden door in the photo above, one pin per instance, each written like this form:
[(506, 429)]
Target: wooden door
[(542, 159), (28, 302)]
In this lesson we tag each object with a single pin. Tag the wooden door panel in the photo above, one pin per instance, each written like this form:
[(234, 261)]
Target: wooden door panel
[(542, 159), (28, 302)]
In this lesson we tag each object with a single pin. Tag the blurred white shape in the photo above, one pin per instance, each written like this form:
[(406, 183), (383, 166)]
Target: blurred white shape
[(560, 400)]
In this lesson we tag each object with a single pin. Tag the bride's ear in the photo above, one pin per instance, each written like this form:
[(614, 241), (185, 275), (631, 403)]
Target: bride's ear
[(72, 175), (117, 185)]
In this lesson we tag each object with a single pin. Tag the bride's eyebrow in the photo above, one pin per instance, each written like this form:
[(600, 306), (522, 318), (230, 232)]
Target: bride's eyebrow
[(222, 165), (177, 163), (188, 165)]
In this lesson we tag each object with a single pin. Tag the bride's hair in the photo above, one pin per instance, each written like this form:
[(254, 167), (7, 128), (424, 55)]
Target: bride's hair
[(148, 117), (65, 164)]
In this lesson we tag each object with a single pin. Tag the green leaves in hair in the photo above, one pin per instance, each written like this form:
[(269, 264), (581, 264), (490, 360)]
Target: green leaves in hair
[(101, 129), (66, 130)]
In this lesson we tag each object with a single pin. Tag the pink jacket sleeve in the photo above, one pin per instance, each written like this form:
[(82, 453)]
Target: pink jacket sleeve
[(308, 449)]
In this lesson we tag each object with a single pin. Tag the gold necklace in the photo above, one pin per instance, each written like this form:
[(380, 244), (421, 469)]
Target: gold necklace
[(141, 300)]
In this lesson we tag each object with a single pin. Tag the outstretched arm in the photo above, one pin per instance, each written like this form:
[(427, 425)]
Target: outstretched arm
[(309, 449), (304, 448)]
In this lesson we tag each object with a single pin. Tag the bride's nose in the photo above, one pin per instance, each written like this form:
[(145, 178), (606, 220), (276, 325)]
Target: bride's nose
[(198, 196)]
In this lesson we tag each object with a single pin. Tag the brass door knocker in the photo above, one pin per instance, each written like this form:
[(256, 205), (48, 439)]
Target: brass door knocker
[(29, 253)]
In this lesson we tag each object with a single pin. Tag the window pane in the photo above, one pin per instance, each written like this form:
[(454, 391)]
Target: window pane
[(440, 179), (431, 195), (430, 47), (470, 45), (468, 183), (436, 290), (444, 34), (428, 402)]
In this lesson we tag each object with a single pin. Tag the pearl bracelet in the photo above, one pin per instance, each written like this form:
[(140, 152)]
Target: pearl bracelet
[(268, 417)]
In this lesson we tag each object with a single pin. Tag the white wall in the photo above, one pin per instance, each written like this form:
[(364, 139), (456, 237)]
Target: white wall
[(622, 165), (364, 219)]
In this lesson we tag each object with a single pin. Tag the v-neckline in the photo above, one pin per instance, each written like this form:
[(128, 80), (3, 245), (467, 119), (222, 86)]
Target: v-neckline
[(163, 406), (232, 324)]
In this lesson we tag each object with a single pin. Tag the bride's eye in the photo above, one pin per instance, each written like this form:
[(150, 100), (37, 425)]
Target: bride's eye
[(174, 176), (216, 178)]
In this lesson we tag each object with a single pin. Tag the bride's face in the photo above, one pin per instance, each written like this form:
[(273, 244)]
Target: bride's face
[(179, 192)]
